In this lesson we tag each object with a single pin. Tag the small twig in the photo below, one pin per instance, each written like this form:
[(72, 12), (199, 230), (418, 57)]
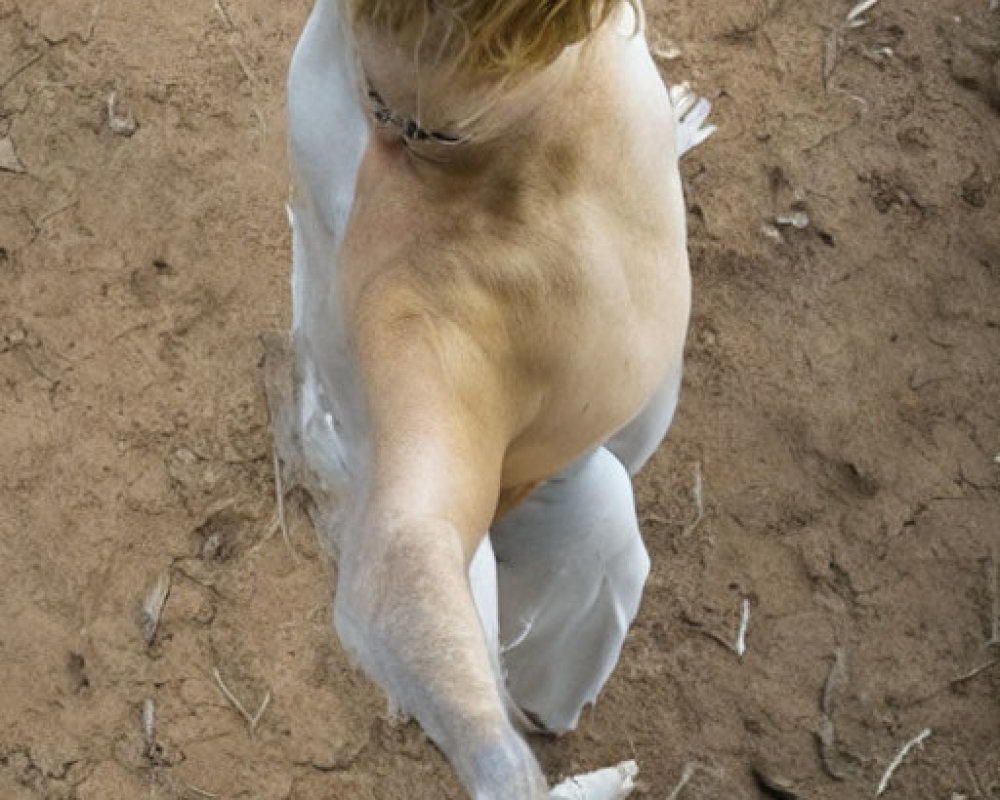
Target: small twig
[(251, 719), (834, 679), (231, 27), (916, 741), (831, 54), (279, 492), (149, 724), (223, 12), (18, 70), (686, 775), (854, 16), (826, 734), (152, 606), (830, 135), (243, 65), (740, 647), (667, 51), (260, 711), (232, 697), (273, 526), (699, 503), (93, 22), (834, 40), (972, 673), (56, 212), (202, 792), (974, 779), (713, 636), (227, 20)]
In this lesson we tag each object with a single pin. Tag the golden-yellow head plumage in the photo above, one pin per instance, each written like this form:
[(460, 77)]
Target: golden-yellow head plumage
[(485, 38)]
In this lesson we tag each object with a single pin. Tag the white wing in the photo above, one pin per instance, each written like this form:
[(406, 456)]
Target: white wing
[(322, 442)]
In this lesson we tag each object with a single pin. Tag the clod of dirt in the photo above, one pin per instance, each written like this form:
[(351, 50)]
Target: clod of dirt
[(914, 138), (887, 192), (76, 665), (9, 162), (212, 547), (976, 189), (219, 537), (866, 484), (122, 125), (774, 785), (974, 64)]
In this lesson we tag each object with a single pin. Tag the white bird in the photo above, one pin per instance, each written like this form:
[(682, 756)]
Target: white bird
[(561, 576)]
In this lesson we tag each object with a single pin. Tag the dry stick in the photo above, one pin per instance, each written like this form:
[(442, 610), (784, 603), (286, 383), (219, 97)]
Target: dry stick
[(977, 787), (916, 741), (251, 719), (55, 212), (260, 711), (243, 66), (18, 70), (834, 678), (273, 526), (231, 27), (860, 8), (149, 724), (224, 14), (972, 673), (713, 636), (831, 53), (202, 792), (740, 647), (93, 22), (686, 774), (699, 504), (152, 606), (231, 697), (668, 51), (227, 20), (149, 734), (831, 50), (279, 491), (827, 734)]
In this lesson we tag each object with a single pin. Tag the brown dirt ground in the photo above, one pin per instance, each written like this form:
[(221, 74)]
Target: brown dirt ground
[(840, 403)]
